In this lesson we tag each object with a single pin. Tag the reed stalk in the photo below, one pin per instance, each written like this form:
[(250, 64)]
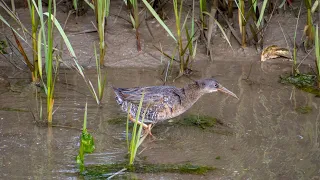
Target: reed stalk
[(101, 8), (230, 9), (49, 64), (101, 80), (35, 24), (134, 15), (309, 29), (242, 23), (317, 52), (177, 13), (295, 69), (203, 8)]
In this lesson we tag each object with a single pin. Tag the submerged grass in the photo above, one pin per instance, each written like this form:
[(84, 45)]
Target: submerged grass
[(199, 120), (304, 109), (305, 82), (96, 171)]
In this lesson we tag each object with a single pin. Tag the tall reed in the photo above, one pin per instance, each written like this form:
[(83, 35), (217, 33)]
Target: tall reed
[(242, 23), (309, 27), (33, 66), (101, 8), (45, 41), (35, 25)]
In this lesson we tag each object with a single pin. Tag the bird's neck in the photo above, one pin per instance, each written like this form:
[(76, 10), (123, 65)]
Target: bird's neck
[(193, 92)]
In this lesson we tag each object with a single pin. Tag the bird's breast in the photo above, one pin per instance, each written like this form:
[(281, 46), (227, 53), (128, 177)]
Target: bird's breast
[(168, 112)]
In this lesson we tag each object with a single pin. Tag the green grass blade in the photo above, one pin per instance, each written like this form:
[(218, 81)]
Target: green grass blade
[(75, 4), (155, 15), (127, 127), (90, 4), (221, 28), (134, 135), (63, 34), (263, 9), (84, 128), (5, 22)]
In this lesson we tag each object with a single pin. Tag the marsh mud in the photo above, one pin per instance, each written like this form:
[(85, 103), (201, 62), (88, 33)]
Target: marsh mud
[(271, 132)]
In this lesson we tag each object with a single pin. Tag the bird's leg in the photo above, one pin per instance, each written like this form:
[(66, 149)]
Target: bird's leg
[(147, 128)]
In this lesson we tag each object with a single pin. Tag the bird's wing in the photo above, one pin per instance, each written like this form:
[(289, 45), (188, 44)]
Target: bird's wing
[(152, 95)]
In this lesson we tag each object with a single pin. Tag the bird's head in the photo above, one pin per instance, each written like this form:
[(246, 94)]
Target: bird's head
[(211, 85)]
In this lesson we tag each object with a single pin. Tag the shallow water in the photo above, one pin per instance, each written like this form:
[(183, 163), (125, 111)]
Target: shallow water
[(263, 136)]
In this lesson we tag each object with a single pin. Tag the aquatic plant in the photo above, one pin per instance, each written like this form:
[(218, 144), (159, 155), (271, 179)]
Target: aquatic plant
[(86, 142), (305, 82), (45, 39), (199, 120), (101, 80), (203, 8), (183, 61), (99, 171), (136, 138), (33, 67)]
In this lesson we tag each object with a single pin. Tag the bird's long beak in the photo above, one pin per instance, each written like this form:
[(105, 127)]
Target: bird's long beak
[(225, 90)]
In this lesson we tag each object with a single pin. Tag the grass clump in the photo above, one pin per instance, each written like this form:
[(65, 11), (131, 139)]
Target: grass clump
[(96, 171), (305, 82), (136, 139), (199, 121), (3, 46), (304, 109)]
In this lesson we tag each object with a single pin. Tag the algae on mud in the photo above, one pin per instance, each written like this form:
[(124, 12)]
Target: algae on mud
[(99, 171), (200, 121), (304, 109), (305, 82)]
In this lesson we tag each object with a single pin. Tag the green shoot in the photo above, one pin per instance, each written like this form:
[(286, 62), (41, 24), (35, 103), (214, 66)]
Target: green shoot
[(136, 133), (101, 82), (86, 142), (203, 8), (263, 9), (155, 15)]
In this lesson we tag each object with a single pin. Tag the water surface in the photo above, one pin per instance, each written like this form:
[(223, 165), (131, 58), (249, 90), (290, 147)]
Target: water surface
[(264, 135)]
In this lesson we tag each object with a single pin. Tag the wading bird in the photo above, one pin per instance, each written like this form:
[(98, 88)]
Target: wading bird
[(164, 102)]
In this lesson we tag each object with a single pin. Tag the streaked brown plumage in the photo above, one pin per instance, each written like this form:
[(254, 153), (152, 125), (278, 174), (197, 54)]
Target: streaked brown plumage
[(165, 102)]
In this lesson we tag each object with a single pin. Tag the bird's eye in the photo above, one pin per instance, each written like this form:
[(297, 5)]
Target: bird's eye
[(216, 85)]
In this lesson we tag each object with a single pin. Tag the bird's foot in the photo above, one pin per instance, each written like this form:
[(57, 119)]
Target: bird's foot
[(148, 129)]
